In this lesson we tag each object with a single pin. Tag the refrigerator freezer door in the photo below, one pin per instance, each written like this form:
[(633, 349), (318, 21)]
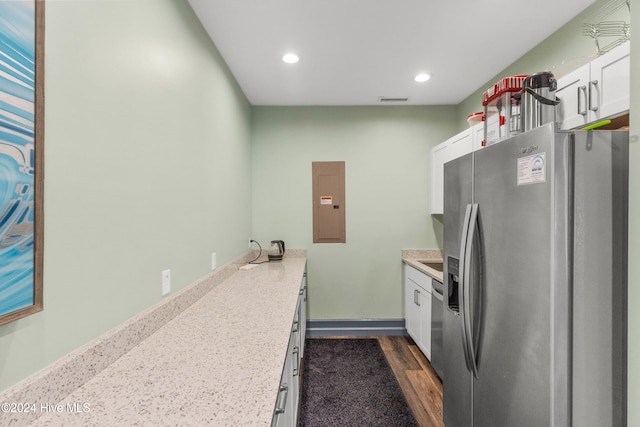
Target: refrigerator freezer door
[(600, 282), (457, 382), (514, 188)]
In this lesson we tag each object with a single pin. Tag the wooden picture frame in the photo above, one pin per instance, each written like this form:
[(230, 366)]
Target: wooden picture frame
[(21, 158)]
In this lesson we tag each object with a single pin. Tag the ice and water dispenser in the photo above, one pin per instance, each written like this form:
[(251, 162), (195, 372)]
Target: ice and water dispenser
[(452, 284)]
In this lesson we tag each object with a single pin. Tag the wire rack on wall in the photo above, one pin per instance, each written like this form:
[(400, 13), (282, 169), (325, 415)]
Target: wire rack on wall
[(607, 34)]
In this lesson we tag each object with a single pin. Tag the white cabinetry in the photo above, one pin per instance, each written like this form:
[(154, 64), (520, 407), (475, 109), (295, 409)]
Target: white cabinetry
[(595, 91), (424, 302), (477, 132), (417, 306), (457, 146), (302, 313), (286, 404), (286, 411), (411, 308)]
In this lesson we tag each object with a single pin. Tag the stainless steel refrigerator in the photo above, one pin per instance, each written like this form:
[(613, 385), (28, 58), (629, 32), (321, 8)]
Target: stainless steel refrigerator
[(535, 265)]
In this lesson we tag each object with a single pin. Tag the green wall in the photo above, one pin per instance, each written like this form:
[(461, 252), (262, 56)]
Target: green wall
[(387, 151), (147, 146)]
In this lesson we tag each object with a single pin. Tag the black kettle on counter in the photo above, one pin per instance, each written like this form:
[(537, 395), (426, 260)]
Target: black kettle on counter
[(276, 251)]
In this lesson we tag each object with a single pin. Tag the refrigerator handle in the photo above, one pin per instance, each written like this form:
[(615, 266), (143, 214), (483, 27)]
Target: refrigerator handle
[(466, 320), (461, 285)]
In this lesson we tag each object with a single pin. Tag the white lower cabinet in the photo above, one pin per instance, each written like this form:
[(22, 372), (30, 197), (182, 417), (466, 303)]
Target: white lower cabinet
[(284, 413), (417, 307), (425, 322), (302, 312), (411, 309), (287, 402)]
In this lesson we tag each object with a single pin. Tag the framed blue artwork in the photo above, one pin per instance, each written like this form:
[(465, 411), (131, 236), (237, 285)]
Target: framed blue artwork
[(21, 157)]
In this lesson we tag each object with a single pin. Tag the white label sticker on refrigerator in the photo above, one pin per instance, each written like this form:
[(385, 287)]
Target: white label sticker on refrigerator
[(532, 169)]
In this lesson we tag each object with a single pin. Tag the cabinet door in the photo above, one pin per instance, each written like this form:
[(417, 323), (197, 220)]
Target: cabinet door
[(282, 416), (425, 322), (302, 301), (411, 310), (610, 83), (477, 136), (418, 308), (460, 144), (294, 366), (454, 147), (438, 159), (573, 110)]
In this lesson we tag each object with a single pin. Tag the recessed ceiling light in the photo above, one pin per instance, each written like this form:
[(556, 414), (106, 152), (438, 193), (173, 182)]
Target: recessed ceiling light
[(291, 58), (422, 77)]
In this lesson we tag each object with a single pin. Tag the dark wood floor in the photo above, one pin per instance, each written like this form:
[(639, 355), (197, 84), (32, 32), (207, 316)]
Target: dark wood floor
[(420, 384)]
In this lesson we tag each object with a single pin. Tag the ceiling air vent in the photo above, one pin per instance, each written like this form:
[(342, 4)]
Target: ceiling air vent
[(392, 99)]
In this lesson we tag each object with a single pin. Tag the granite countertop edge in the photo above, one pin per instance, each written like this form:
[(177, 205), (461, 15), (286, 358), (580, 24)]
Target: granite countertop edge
[(413, 257)]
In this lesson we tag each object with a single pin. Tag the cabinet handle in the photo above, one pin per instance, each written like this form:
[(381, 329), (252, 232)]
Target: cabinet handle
[(295, 326), (295, 353), (593, 88), (280, 408), (582, 110), (417, 297)]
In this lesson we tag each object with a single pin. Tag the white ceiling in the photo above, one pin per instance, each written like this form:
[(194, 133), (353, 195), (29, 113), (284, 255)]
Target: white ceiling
[(355, 51)]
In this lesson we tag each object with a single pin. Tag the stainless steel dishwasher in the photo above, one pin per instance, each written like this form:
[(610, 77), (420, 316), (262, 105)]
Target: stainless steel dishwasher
[(437, 304)]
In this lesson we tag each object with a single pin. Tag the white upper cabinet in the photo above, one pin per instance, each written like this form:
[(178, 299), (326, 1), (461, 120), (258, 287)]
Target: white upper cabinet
[(611, 74), (596, 90), (478, 136), (573, 92), (457, 146)]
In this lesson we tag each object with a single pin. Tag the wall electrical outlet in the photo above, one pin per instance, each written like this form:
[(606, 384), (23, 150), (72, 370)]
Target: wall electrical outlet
[(213, 261), (166, 282)]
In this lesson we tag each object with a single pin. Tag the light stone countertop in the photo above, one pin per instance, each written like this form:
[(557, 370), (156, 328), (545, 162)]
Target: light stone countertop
[(413, 257), (218, 363)]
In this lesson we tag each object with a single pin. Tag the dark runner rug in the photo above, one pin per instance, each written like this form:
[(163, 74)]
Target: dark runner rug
[(348, 382)]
